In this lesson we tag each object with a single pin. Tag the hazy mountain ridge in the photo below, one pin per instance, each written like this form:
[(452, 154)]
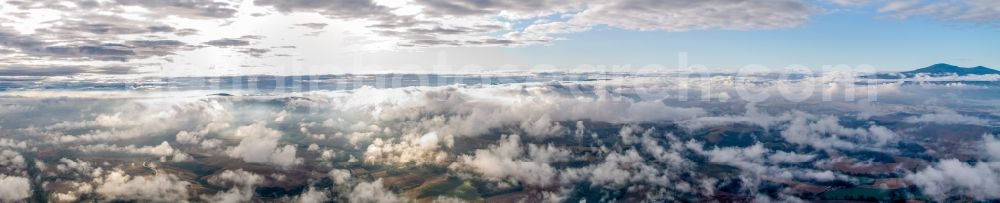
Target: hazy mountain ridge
[(943, 68), (940, 69)]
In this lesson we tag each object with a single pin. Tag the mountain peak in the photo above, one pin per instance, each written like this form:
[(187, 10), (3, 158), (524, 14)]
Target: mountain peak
[(943, 65), (944, 69)]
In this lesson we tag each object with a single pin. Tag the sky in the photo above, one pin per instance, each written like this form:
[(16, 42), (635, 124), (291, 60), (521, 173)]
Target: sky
[(138, 38)]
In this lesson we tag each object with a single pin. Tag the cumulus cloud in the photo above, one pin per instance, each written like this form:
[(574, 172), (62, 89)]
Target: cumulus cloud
[(410, 149), (372, 192), (163, 150), (233, 195), (827, 132), (238, 177), (946, 116), (508, 161), (242, 184), (339, 176), (312, 195), (161, 187), (14, 188), (953, 177), (790, 157), (11, 161), (81, 167), (14, 144), (613, 171), (991, 145), (259, 144)]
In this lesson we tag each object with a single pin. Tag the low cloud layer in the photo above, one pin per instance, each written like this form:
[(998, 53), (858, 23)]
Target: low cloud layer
[(618, 139)]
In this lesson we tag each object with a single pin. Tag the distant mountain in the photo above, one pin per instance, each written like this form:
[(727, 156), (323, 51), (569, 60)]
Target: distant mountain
[(940, 69), (947, 69)]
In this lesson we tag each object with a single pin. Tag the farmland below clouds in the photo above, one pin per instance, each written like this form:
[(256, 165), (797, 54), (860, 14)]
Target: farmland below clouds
[(532, 137)]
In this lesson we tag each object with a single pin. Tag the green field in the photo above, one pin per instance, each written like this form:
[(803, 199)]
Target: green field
[(453, 187), (857, 193)]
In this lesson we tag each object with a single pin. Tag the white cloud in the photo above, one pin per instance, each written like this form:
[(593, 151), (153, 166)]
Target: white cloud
[(894, 6), (233, 195), (946, 116), (67, 165), (11, 160), (239, 177), (241, 183), (507, 161), (826, 132), (953, 177), (339, 176), (790, 157), (163, 150), (13, 188), (747, 158), (312, 195), (5, 142), (260, 145), (372, 192), (612, 172), (161, 187), (991, 146), (410, 148)]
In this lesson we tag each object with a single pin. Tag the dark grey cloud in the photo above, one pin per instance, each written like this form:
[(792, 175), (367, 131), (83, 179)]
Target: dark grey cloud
[(493, 7), (234, 42), (158, 47), (91, 27), (350, 9), (427, 37), (115, 70), (186, 8), (651, 15), (198, 9), (985, 13), (156, 43), (255, 52), (228, 42), (86, 49), (317, 26), (241, 42), (52, 4), (161, 28), (96, 27), (419, 32), (12, 39), (186, 32), (40, 71), (48, 71), (106, 52)]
